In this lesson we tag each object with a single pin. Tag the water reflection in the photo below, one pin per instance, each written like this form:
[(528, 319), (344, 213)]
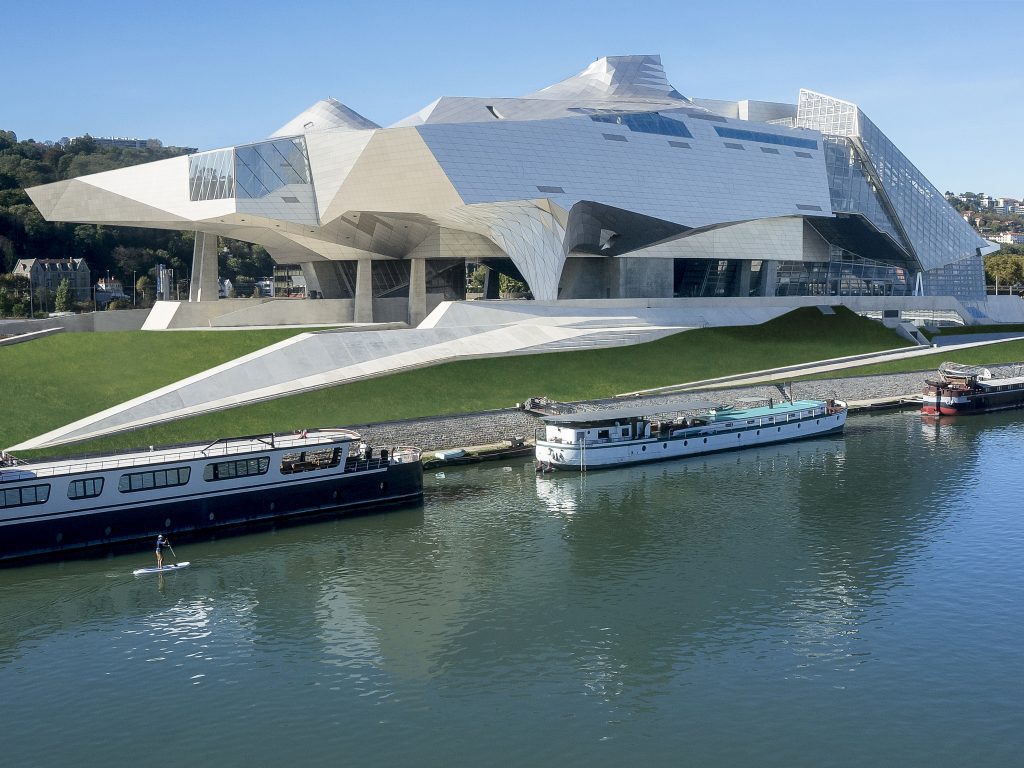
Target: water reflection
[(628, 587)]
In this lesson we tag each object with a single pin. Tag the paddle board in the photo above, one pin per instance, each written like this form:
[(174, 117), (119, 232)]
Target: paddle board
[(165, 569)]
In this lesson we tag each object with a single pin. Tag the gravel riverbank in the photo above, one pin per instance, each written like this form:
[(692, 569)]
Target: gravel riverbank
[(489, 427)]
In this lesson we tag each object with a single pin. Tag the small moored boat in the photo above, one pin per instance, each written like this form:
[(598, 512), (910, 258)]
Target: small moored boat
[(68, 504), (610, 438)]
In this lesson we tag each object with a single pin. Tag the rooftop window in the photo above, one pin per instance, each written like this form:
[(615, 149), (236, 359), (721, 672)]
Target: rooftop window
[(647, 122), (765, 138)]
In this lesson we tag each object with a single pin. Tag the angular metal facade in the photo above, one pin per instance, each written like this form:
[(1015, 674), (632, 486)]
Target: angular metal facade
[(611, 164)]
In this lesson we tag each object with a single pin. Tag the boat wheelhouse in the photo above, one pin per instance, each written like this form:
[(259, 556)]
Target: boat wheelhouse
[(597, 439), (68, 504), (970, 389)]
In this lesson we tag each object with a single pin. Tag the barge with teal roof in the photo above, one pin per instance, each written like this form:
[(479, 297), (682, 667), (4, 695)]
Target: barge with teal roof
[(619, 437)]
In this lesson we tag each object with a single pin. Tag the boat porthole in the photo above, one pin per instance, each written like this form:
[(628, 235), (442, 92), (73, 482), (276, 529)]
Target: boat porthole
[(211, 515), (686, 443), (382, 486), (799, 425), (60, 537), (167, 522), (106, 531), (334, 495), (818, 421), (643, 448), (664, 445), (779, 429), (739, 436), (705, 439), (272, 506), (759, 432)]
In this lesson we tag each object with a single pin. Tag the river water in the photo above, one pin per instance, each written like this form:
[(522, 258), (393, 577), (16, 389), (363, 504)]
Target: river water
[(844, 601)]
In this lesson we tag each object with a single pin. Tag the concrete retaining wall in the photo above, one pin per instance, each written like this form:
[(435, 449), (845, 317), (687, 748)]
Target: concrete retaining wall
[(114, 320)]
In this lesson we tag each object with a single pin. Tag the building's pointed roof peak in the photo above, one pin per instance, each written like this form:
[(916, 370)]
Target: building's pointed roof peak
[(614, 78), (326, 113)]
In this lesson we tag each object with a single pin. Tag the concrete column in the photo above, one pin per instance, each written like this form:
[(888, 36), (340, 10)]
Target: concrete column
[(769, 276), (204, 268), (364, 291), (743, 283), (492, 284), (322, 277), (417, 291)]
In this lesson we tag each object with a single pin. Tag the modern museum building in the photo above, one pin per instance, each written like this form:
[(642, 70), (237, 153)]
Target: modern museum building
[(607, 185)]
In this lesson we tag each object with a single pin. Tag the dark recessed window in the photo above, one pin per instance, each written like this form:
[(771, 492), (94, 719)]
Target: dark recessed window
[(647, 122), (706, 116), (808, 207), (552, 190), (804, 154), (765, 138), (680, 144), (770, 150), (290, 199), (730, 145), (614, 137)]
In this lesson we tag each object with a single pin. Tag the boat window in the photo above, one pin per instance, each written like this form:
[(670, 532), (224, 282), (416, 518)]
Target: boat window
[(307, 461), (226, 470), (85, 489), (160, 478), (602, 434), (24, 495), (625, 431)]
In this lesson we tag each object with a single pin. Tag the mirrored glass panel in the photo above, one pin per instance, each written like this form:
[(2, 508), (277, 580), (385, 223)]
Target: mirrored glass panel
[(210, 175), (264, 168)]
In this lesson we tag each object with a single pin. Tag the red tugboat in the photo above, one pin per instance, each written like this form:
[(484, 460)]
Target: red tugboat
[(970, 389)]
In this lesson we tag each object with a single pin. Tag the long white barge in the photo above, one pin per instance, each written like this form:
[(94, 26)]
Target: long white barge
[(63, 505), (611, 438)]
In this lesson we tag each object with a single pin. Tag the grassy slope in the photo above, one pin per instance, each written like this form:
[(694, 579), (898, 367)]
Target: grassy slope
[(471, 385), (58, 379)]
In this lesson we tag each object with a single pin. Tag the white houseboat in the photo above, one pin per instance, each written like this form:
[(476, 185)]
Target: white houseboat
[(61, 505), (611, 438)]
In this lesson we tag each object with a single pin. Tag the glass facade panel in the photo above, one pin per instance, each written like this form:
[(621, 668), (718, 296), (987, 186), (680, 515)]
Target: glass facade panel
[(211, 175), (845, 276), (964, 279), (262, 169), (647, 122), (935, 233), (850, 189), (252, 171)]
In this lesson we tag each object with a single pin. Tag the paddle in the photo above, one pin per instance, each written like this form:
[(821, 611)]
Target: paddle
[(173, 553)]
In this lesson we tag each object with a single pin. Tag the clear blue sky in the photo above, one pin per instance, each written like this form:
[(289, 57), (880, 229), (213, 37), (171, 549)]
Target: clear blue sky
[(942, 79)]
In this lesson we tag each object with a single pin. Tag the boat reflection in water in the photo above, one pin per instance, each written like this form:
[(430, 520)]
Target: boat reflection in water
[(566, 493)]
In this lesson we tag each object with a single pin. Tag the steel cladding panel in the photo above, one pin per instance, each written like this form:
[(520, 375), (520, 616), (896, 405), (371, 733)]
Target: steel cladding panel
[(694, 182)]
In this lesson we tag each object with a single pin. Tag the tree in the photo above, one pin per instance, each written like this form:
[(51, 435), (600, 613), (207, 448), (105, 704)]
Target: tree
[(62, 302)]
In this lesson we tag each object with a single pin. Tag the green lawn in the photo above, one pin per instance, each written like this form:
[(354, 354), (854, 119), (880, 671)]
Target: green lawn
[(800, 336), (58, 379)]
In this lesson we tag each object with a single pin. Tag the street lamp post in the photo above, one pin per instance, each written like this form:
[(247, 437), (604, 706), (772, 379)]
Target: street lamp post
[(134, 288)]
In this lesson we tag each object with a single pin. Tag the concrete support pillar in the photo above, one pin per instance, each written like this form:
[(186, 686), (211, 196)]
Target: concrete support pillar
[(364, 291), (492, 284), (769, 277), (417, 291), (204, 268), (743, 281), (322, 277)]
